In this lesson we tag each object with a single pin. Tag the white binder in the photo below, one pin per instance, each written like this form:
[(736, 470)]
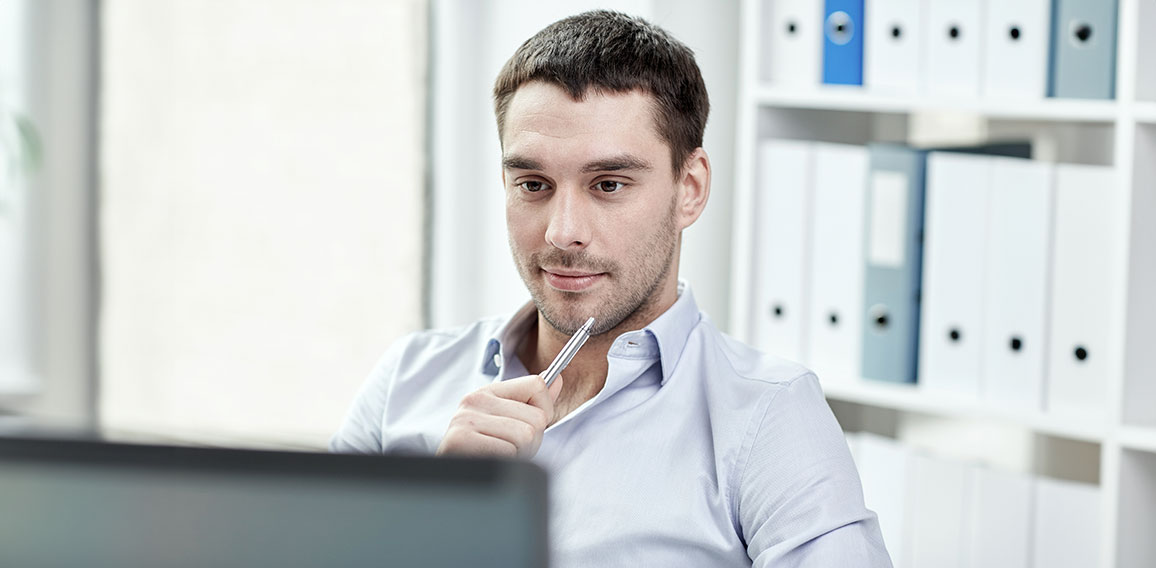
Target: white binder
[(893, 48), (792, 49), (782, 211), (836, 283), (884, 467), (937, 506), (954, 40), (1017, 283), (1067, 524), (950, 335), (1000, 532), (1015, 49), (1083, 344)]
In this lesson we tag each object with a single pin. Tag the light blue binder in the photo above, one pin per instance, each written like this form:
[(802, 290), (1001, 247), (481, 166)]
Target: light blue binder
[(843, 42), (893, 259), (1083, 49), (893, 255)]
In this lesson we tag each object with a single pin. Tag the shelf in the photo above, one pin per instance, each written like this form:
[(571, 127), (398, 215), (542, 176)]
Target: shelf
[(1145, 112), (912, 398), (1138, 438), (856, 100)]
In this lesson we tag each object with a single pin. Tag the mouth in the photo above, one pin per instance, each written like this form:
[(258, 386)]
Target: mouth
[(572, 280)]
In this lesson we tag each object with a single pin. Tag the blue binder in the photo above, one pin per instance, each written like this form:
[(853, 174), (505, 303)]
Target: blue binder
[(893, 257), (1083, 54), (843, 42)]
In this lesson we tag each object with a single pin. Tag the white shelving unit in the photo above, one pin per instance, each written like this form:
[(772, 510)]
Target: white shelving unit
[(856, 100), (1138, 438), (1145, 112), (912, 398), (1119, 132)]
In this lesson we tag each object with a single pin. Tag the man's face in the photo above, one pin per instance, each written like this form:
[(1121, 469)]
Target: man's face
[(590, 203)]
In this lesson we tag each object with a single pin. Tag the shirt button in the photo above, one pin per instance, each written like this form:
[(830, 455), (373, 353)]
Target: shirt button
[(498, 360)]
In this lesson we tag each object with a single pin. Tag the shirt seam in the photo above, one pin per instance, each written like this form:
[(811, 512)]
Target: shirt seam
[(748, 446)]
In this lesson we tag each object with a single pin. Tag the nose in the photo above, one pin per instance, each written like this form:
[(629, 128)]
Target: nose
[(569, 227)]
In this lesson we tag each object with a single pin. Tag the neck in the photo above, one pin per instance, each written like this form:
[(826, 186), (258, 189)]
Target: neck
[(585, 376)]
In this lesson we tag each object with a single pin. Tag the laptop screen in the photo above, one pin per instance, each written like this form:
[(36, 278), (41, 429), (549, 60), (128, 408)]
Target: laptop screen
[(98, 504)]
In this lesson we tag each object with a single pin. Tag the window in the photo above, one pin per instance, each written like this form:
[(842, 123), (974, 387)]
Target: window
[(261, 211)]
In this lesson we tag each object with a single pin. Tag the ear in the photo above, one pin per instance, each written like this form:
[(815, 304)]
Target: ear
[(693, 188)]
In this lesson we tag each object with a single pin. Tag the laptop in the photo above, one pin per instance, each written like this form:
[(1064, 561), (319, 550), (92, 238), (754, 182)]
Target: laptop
[(99, 504)]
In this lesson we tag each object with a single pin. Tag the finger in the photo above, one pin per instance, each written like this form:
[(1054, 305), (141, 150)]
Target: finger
[(462, 442), (530, 389), (544, 398), (555, 389), (525, 437), (486, 402), (521, 389)]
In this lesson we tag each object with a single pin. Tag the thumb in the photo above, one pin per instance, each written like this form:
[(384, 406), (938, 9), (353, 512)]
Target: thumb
[(555, 388)]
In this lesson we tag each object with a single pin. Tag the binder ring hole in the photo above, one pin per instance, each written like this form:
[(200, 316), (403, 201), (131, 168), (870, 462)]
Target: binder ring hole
[(896, 31), (878, 315), (791, 27), (1081, 33), (777, 310), (1080, 353), (953, 32), (1014, 33), (1016, 343), (840, 28), (954, 334), (833, 317)]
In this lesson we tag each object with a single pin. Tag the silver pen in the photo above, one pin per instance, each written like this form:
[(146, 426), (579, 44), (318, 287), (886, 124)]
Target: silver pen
[(567, 352)]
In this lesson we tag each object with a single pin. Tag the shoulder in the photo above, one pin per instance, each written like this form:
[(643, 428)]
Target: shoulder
[(418, 379), (734, 365), (762, 398), (421, 347), (421, 359)]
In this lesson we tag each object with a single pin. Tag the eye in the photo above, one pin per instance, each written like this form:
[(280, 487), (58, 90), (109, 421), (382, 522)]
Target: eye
[(533, 186), (608, 186)]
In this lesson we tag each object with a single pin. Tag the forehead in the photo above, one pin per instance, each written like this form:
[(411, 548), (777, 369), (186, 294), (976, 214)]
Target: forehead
[(543, 117)]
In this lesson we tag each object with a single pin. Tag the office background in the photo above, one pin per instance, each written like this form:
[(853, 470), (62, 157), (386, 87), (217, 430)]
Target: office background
[(227, 210)]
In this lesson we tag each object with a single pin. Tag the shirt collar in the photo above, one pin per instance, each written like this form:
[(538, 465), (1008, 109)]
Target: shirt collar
[(672, 329), (666, 336), (504, 343)]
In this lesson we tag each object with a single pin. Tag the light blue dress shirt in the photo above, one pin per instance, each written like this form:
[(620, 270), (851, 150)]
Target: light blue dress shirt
[(698, 451)]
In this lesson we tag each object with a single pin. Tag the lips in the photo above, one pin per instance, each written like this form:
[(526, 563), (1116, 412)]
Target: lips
[(572, 280)]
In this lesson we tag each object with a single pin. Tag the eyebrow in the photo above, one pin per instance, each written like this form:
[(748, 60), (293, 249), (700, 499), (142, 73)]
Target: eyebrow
[(623, 162), (520, 163)]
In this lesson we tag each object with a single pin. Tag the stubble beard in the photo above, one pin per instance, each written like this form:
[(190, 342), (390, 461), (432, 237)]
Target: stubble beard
[(631, 293)]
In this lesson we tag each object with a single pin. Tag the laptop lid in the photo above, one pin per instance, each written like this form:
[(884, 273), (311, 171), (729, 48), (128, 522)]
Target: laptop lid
[(99, 504)]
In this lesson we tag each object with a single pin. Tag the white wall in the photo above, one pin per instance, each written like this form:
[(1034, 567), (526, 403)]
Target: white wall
[(262, 210), (472, 271)]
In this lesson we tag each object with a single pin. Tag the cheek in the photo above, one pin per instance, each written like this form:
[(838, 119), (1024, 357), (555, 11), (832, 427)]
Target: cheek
[(522, 225)]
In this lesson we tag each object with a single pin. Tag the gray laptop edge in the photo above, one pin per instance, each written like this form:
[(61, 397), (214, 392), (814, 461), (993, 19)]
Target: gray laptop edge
[(96, 504)]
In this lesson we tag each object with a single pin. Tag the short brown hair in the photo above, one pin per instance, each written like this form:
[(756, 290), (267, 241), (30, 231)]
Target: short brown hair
[(613, 52)]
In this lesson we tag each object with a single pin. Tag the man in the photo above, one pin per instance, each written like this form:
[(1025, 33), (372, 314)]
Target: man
[(668, 443)]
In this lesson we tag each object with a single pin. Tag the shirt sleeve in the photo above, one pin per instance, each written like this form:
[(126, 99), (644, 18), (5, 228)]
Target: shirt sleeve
[(360, 431), (800, 501)]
